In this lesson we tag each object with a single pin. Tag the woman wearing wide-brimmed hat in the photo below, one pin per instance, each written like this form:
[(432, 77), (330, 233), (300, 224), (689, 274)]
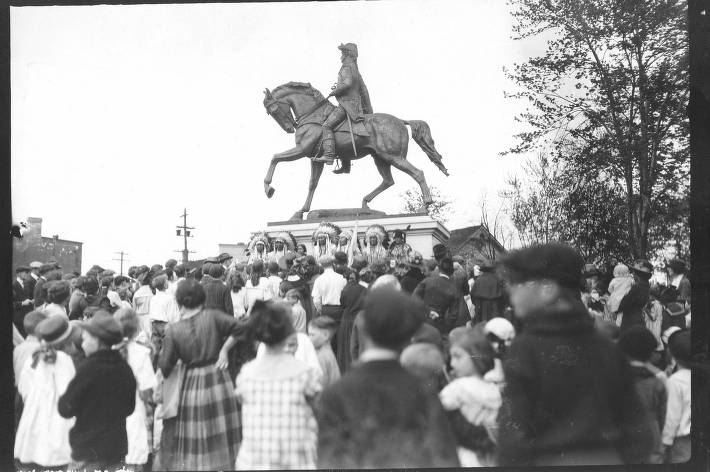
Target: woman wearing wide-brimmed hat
[(632, 305), (42, 438)]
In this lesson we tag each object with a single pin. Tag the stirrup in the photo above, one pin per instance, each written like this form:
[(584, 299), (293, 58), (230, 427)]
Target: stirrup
[(324, 159)]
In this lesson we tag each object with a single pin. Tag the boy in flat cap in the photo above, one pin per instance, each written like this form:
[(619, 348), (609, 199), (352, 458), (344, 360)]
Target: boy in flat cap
[(569, 396), (101, 396)]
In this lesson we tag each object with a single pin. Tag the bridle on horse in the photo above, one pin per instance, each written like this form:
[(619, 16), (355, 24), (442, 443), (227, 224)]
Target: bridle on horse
[(296, 122)]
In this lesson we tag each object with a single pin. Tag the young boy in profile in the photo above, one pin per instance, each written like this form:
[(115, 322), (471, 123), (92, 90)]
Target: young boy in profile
[(321, 330)]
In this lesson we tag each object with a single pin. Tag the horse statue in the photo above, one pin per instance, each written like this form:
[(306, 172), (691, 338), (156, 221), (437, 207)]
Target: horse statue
[(380, 135)]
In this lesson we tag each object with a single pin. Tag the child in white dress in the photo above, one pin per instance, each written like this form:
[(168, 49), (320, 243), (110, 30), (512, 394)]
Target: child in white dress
[(138, 357), (42, 438)]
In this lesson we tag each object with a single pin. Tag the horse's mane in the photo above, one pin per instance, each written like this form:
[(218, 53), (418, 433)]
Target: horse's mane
[(304, 86)]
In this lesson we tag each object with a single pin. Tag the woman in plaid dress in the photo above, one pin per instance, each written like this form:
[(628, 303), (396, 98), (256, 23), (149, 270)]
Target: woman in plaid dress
[(276, 392), (206, 432)]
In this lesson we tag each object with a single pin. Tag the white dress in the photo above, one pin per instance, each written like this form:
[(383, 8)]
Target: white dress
[(43, 435), (138, 445)]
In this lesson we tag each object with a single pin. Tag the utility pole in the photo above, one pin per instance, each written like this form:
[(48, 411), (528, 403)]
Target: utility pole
[(121, 259), (185, 230)]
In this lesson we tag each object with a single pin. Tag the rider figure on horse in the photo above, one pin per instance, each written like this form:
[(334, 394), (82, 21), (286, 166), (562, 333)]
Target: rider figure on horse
[(353, 102)]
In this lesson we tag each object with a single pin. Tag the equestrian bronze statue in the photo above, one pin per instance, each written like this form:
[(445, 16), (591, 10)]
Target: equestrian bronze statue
[(301, 109)]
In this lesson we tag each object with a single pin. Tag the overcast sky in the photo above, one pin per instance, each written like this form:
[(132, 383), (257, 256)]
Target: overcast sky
[(124, 115)]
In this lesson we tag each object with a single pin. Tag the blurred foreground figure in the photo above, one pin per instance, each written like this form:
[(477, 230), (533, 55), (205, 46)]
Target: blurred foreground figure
[(569, 396), (378, 415)]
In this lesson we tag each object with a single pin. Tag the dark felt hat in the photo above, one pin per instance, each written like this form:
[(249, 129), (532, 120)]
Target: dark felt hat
[(22, 269), (224, 257), (105, 327), (170, 264), (558, 262), (391, 317), (439, 251), (637, 342), (44, 268), (675, 309)]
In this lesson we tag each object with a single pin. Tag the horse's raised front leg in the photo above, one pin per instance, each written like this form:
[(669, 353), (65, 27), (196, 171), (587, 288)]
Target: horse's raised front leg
[(316, 172), (292, 154)]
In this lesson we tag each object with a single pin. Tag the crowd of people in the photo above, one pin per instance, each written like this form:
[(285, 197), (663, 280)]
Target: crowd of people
[(339, 359)]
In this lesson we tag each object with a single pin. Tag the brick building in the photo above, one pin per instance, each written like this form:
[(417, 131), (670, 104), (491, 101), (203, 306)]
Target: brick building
[(35, 247)]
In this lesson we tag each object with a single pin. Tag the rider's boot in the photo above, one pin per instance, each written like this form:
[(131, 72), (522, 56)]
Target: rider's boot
[(344, 167), (328, 143)]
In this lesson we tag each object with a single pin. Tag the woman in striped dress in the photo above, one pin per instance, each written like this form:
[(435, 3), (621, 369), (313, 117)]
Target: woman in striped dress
[(206, 431)]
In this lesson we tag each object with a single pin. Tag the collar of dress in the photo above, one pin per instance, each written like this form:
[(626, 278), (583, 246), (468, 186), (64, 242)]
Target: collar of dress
[(378, 354)]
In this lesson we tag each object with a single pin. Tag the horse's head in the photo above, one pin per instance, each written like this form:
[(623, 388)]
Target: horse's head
[(279, 111)]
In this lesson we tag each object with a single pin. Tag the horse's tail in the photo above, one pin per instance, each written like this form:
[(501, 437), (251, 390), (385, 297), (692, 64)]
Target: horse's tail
[(422, 136)]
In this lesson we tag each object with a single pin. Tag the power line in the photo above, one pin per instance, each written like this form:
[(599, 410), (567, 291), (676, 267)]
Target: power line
[(185, 230), (121, 259)]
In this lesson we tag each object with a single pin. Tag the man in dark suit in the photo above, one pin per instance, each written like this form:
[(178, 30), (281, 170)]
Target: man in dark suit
[(441, 296), (32, 279), (21, 303), (40, 294), (378, 415)]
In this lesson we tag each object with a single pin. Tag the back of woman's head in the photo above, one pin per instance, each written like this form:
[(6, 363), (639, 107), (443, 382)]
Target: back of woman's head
[(236, 281), (58, 291), (294, 293), (79, 282), (257, 270), (91, 286), (271, 322), (128, 319), (190, 294), (474, 341)]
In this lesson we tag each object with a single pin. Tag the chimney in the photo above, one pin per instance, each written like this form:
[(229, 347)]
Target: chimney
[(34, 228)]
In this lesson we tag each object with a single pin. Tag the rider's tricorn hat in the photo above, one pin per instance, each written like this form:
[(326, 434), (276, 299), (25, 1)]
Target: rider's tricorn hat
[(350, 48)]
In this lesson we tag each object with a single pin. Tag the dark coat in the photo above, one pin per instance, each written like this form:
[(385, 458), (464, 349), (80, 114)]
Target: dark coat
[(217, 296), (633, 303), (351, 299), (39, 294), (30, 287), (351, 92), (19, 294), (440, 295), (380, 416), (487, 296), (100, 396), (411, 279), (654, 398), (569, 393)]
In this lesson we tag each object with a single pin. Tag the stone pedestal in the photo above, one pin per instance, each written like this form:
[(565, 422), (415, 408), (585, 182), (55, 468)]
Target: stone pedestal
[(423, 234)]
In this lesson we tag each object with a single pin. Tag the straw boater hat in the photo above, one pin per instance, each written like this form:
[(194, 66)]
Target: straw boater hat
[(376, 230), (260, 237), (287, 238), (327, 229)]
